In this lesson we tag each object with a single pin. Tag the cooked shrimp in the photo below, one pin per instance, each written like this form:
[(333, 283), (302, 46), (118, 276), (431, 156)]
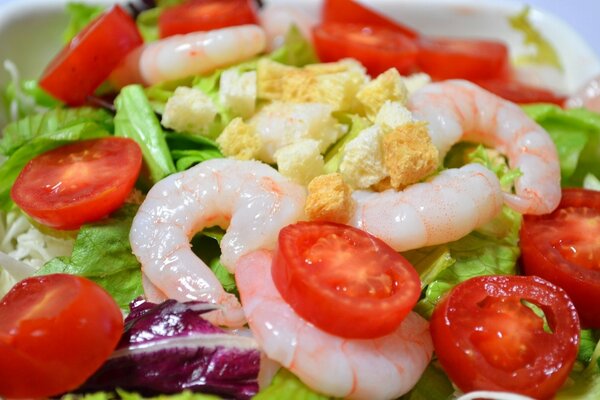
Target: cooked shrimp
[(380, 368), (459, 110), (444, 209), (194, 53), (249, 197), (277, 19), (588, 96)]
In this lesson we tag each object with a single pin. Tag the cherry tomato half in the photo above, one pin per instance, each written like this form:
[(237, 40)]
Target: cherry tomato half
[(205, 15), (445, 58), (78, 183), (349, 11), (377, 48), (55, 332), (564, 248), (77, 71), (486, 338), (344, 280), (520, 93)]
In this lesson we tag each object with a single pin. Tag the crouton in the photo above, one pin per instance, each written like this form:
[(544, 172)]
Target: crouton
[(415, 82), (189, 110), (408, 154), (237, 91), (239, 140), (329, 199), (270, 78), (362, 159), (392, 114), (300, 161), (387, 86)]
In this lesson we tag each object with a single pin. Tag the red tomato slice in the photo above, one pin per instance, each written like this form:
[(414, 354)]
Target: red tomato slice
[(564, 248), (77, 71), (519, 92), (206, 15), (445, 58), (486, 338), (343, 280), (78, 183), (377, 48), (349, 11), (55, 332)]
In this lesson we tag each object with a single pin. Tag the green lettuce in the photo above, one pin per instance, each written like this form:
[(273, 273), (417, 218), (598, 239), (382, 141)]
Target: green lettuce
[(80, 15), (103, 254), (296, 50), (10, 169), (189, 150), (576, 134), (433, 385), (21, 132), (543, 52), (586, 384), (333, 156), (135, 119), (28, 96), (286, 386)]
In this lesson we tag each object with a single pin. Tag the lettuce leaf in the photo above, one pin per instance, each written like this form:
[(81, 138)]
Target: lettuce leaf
[(135, 119), (296, 50), (80, 15), (433, 385), (585, 385), (543, 52), (103, 254), (576, 133), (189, 150), (10, 169), (333, 156), (286, 386), (19, 133)]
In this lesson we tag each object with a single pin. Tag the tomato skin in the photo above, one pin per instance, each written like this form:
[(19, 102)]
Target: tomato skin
[(206, 15), (55, 331), (377, 48), (564, 248), (344, 280), (446, 58), (81, 66), (486, 339), (349, 11), (78, 183), (520, 93)]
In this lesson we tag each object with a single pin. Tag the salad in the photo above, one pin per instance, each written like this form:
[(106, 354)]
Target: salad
[(208, 199)]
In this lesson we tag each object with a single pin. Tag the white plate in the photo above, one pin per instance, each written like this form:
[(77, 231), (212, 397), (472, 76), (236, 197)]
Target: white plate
[(31, 30)]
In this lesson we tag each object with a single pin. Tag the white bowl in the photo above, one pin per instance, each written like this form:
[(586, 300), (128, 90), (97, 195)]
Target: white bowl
[(30, 31)]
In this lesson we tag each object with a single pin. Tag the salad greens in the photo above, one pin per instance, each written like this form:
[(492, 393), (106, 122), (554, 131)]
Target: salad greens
[(102, 253)]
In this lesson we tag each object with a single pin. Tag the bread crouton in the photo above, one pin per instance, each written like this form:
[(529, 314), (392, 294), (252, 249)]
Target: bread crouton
[(189, 110), (408, 154), (300, 161), (387, 86), (362, 160), (329, 199), (270, 77), (239, 140)]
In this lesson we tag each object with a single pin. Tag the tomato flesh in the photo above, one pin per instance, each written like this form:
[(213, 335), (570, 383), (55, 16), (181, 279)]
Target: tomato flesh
[(445, 58), (518, 92), (377, 48), (343, 280), (78, 183), (487, 337), (564, 248), (205, 15), (348, 11), (55, 332), (87, 61)]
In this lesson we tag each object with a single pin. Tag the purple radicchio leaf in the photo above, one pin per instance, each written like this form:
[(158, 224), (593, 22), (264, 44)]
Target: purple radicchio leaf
[(167, 348)]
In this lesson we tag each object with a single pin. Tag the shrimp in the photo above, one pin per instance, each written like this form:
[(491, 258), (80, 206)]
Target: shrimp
[(253, 199), (379, 368), (446, 208), (459, 110), (195, 53)]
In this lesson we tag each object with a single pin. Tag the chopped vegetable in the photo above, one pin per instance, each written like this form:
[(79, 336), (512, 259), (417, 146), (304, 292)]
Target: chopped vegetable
[(56, 330), (315, 269), (169, 347), (78, 183), (487, 337)]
